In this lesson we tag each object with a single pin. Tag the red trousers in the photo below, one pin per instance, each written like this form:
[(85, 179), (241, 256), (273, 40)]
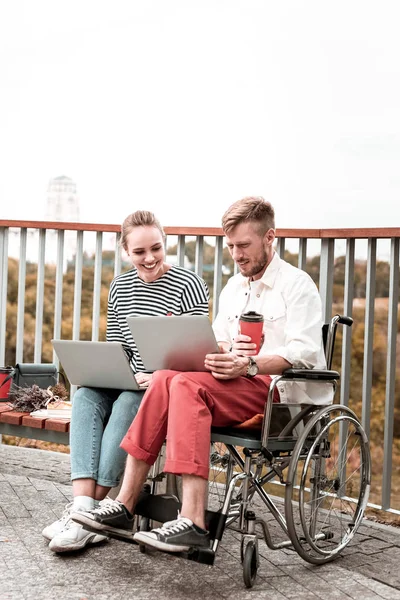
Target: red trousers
[(182, 407)]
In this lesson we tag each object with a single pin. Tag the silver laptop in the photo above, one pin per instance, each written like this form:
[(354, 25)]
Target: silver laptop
[(178, 342), (96, 364)]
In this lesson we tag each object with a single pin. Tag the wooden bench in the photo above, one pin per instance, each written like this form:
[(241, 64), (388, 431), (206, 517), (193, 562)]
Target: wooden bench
[(21, 424)]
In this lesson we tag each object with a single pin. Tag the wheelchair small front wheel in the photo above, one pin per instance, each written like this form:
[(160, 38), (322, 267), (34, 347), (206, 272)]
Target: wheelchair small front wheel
[(250, 563)]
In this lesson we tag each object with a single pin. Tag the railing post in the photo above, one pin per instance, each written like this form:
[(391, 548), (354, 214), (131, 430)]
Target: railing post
[(347, 331), (368, 336), (302, 259), (78, 287), (3, 291), (19, 353), (219, 240), (390, 373), (117, 255), (58, 291), (198, 262), (97, 287), (326, 277), (181, 251), (40, 297), (280, 248)]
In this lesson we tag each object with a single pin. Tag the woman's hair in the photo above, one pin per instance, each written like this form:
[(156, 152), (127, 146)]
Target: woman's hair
[(140, 218), (254, 209)]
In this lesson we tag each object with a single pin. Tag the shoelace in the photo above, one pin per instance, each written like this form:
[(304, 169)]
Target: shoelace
[(111, 507), (67, 512), (174, 526), (66, 517)]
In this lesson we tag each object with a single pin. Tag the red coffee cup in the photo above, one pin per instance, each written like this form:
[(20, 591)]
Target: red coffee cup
[(251, 324), (5, 385)]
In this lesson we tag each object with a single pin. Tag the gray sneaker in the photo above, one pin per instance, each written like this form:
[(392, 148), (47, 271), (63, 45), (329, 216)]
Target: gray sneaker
[(111, 518), (175, 536)]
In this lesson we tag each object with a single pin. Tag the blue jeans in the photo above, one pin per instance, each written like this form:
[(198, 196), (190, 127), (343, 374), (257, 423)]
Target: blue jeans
[(100, 419)]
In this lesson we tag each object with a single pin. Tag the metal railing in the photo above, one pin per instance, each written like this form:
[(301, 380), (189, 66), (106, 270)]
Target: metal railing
[(57, 242)]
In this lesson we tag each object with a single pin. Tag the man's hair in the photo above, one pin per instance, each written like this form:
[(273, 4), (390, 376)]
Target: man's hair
[(140, 218), (250, 209)]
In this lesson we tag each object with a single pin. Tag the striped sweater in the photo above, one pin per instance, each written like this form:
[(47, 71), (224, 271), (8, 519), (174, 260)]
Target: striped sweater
[(178, 291)]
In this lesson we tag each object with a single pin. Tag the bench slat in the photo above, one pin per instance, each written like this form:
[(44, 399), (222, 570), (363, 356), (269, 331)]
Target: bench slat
[(36, 422), (12, 417), (57, 425)]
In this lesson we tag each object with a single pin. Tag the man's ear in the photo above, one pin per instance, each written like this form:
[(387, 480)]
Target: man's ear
[(269, 237)]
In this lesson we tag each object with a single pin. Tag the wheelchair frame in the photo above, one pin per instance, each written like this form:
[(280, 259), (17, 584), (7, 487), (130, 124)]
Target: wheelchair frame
[(311, 456)]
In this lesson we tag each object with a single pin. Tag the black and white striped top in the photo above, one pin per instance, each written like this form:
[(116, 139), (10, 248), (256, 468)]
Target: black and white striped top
[(178, 291)]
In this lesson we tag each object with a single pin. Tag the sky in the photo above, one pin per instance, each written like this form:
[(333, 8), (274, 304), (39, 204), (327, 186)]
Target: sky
[(184, 106)]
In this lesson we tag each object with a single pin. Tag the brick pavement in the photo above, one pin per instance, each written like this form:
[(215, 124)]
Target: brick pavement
[(34, 487)]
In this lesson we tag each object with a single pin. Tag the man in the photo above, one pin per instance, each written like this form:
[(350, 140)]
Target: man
[(182, 407)]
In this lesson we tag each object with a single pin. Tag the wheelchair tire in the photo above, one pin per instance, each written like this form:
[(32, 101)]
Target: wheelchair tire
[(250, 564), (328, 485)]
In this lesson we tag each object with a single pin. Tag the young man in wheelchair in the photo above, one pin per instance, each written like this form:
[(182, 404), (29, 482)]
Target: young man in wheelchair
[(183, 406)]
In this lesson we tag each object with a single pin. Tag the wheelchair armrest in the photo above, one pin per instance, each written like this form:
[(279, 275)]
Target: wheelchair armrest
[(319, 375)]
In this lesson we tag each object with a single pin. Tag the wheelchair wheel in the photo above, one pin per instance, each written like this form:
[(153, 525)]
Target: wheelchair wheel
[(328, 484), (218, 479), (250, 564)]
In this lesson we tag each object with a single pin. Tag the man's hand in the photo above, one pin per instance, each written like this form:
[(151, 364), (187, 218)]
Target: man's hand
[(226, 365), (243, 346)]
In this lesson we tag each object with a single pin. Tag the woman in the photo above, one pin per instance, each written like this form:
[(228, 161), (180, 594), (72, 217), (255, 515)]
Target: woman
[(101, 417)]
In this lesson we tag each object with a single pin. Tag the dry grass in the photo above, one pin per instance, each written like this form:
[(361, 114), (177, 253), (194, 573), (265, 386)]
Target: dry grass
[(28, 443)]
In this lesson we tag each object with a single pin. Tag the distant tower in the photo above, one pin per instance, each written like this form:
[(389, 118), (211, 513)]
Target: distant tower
[(62, 200), (62, 205)]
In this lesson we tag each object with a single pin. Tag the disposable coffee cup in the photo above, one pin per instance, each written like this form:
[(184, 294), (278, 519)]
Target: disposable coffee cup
[(251, 324), (5, 372)]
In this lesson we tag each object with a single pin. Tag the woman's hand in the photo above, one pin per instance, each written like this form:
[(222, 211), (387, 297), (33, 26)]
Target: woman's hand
[(143, 379), (226, 365)]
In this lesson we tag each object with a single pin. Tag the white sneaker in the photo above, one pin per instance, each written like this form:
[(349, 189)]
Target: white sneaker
[(74, 537), (51, 530)]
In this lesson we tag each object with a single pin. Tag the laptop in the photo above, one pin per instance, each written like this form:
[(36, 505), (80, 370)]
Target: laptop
[(179, 342), (96, 364)]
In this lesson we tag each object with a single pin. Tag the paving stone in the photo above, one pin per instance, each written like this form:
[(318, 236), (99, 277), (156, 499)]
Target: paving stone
[(16, 480), (34, 488)]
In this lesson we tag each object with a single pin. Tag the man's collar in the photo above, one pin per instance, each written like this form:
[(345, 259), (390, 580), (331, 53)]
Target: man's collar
[(269, 275), (271, 271)]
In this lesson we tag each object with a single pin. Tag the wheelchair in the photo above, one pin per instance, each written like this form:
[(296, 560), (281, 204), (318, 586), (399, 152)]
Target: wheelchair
[(318, 455)]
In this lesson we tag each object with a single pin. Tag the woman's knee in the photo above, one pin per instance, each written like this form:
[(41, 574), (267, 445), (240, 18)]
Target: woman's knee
[(128, 403), (90, 401)]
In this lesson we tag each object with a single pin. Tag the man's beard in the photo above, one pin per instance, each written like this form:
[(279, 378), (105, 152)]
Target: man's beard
[(258, 266)]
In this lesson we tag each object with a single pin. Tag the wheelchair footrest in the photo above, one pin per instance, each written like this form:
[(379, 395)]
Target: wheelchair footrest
[(206, 556), (165, 507), (126, 538), (158, 507)]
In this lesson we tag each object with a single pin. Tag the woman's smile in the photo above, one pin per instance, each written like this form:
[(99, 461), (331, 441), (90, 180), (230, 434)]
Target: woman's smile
[(145, 246)]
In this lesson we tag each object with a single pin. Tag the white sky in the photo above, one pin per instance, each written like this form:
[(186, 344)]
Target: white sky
[(184, 106)]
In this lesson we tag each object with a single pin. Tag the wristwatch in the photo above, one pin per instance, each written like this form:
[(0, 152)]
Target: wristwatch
[(252, 368)]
